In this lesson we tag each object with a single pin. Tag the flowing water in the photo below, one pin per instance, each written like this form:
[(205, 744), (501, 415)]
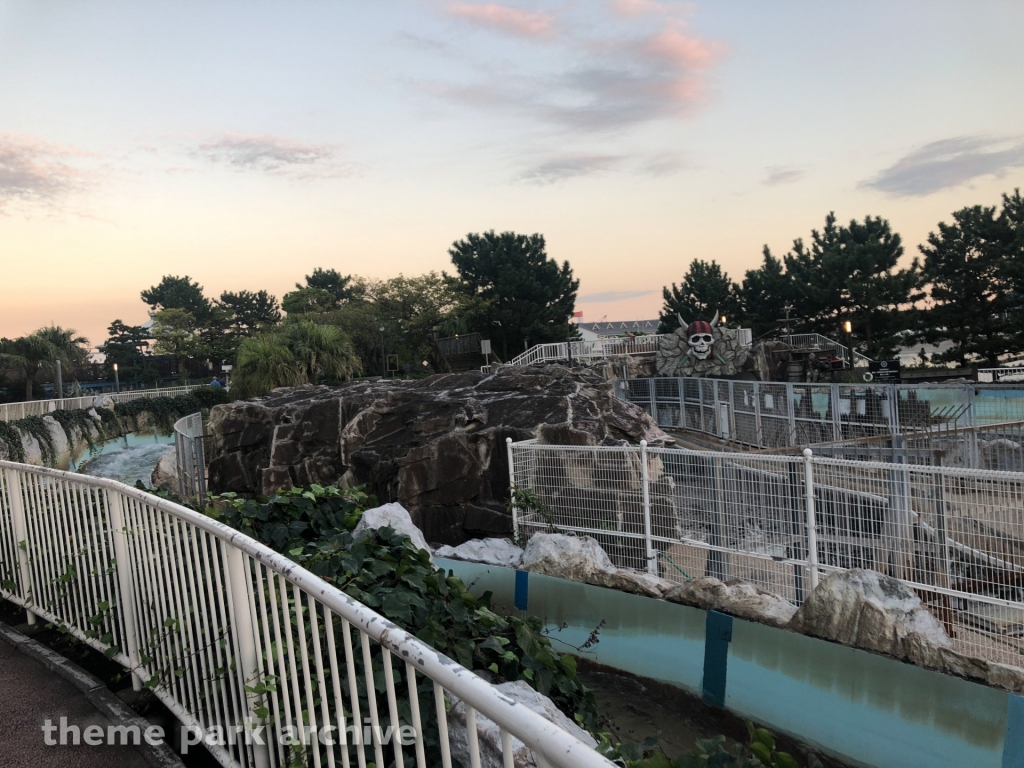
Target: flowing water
[(128, 459)]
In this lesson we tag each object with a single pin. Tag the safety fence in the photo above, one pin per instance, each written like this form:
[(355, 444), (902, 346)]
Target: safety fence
[(190, 458), (236, 639), (15, 411), (763, 414), (588, 350), (1014, 373), (779, 522), (997, 447), (817, 341)]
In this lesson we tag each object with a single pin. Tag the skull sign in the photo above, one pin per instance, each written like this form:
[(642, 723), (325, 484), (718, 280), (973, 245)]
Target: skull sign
[(700, 337)]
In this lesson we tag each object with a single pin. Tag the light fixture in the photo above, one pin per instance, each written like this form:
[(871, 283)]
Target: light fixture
[(115, 366), (724, 319), (848, 326)]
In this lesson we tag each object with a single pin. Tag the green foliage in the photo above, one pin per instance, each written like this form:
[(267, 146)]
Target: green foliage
[(705, 289), (524, 297), (765, 294), (386, 572), (759, 752), (125, 346), (975, 271), (249, 313), (39, 352), (164, 411), (179, 293), (10, 436)]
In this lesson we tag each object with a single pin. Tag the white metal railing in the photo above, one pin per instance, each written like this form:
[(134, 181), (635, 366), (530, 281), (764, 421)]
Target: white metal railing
[(190, 458), (817, 341), (766, 414), (1014, 373), (15, 411), (589, 350), (229, 633), (955, 536)]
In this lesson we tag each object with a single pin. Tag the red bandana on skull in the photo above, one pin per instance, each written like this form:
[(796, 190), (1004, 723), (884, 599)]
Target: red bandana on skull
[(699, 337)]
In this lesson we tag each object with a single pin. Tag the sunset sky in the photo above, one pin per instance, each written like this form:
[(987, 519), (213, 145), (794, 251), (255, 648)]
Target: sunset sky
[(245, 143)]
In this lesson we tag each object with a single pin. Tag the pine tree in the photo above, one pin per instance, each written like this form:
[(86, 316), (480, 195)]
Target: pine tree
[(705, 289)]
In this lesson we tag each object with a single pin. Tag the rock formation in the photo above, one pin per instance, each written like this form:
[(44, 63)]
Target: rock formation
[(393, 515), (675, 356), (166, 471), (487, 551), (436, 445), (489, 735)]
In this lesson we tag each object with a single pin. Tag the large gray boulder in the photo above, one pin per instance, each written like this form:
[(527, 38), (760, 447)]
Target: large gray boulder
[(437, 445), (166, 471), (869, 610), (487, 551), (489, 735)]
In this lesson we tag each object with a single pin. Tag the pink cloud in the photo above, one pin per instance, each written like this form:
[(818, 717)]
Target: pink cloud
[(37, 171), (639, 7), (682, 50), (505, 19)]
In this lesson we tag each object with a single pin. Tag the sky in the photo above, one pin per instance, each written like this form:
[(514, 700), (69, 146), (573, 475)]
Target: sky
[(246, 143)]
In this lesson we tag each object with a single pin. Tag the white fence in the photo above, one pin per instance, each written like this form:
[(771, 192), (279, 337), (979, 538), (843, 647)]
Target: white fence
[(15, 411), (817, 341), (190, 457), (588, 350), (765, 414), (955, 536), (1008, 374), (228, 632)]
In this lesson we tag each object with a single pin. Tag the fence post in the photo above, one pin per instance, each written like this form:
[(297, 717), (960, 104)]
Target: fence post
[(812, 530), (243, 626), (125, 588), (13, 482), (652, 563), (791, 412), (512, 489)]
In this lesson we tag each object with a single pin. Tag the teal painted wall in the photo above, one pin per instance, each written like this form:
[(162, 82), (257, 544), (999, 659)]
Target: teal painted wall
[(863, 708)]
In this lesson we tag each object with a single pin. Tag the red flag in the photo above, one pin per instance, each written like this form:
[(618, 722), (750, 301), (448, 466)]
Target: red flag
[(578, 314)]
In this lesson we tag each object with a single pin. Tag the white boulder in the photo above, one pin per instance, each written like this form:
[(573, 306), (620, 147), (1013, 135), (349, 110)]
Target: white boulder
[(576, 558), (489, 735), (166, 471), (870, 610), (395, 515), (745, 601), (488, 551)]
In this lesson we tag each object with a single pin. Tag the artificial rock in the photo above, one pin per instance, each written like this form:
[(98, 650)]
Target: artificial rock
[(436, 445), (492, 551), (393, 515), (489, 735)]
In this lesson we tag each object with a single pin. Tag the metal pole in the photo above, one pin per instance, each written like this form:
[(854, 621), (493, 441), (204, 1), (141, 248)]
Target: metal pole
[(652, 563), (12, 479), (60, 382), (117, 380), (812, 531), (126, 604), (512, 488), (244, 626)]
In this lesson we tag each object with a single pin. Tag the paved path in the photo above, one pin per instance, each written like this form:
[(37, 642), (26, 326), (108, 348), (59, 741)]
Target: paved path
[(30, 693)]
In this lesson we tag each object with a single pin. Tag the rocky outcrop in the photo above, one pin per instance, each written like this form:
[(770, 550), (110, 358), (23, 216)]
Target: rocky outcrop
[(166, 471), (736, 598), (436, 445), (869, 610), (64, 449), (500, 552), (393, 515), (489, 735)]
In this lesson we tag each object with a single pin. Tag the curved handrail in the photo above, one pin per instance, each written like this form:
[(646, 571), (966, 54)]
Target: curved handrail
[(14, 411), (45, 513), (190, 457)]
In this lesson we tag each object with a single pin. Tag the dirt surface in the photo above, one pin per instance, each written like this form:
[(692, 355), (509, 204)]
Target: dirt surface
[(635, 708)]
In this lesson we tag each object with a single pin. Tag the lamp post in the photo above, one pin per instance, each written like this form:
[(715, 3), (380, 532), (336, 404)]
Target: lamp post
[(117, 380), (848, 329), (383, 357)]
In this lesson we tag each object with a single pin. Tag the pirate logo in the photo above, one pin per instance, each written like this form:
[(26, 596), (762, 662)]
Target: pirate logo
[(700, 336)]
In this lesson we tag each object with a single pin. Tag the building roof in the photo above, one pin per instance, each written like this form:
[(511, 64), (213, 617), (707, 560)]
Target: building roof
[(620, 327)]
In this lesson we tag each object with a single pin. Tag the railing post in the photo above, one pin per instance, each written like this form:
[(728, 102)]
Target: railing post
[(512, 489), (125, 587), (760, 441), (243, 626), (12, 479), (812, 529), (791, 412), (652, 563)]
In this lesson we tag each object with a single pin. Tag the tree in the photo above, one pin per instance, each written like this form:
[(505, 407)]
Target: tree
[(249, 313), (970, 267), (330, 280), (765, 294), (179, 293), (526, 298), (125, 346), (849, 273), (1012, 218), (705, 289), (40, 351), (176, 333), (308, 301), (299, 352)]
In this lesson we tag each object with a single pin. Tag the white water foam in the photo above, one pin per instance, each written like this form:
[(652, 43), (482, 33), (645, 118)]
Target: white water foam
[(129, 464)]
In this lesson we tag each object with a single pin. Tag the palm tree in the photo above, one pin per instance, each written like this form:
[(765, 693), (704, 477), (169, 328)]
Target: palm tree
[(298, 352), (322, 350), (41, 350)]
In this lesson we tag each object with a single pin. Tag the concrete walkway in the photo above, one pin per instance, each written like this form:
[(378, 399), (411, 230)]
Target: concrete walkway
[(30, 693)]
